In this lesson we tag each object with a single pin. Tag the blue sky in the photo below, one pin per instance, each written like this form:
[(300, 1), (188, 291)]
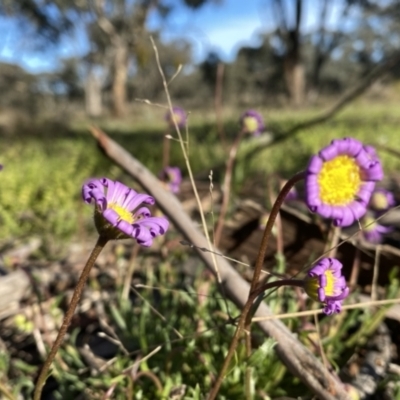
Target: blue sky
[(224, 27)]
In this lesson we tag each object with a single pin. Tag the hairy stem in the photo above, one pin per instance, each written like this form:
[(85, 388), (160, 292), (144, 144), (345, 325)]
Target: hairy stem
[(101, 242)]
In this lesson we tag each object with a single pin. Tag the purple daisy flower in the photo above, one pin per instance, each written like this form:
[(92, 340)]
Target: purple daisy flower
[(382, 200), (117, 215), (178, 115), (252, 122), (326, 284), (340, 180), (372, 231), (172, 177)]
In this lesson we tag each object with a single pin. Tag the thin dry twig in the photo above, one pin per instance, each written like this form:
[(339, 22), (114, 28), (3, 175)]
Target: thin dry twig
[(186, 157), (364, 304)]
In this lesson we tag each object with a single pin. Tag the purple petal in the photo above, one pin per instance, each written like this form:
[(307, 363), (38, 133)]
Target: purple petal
[(374, 172), (321, 294), (315, 164), (111, 216), (325, 211), (347, 220), (138, 199), (351, 146), (125, 227), (329, 152), (365, 192), (142, 212), (358, 209)]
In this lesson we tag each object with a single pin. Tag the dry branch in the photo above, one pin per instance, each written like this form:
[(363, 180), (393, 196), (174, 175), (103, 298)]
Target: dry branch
[(347, 98), (298, 359)]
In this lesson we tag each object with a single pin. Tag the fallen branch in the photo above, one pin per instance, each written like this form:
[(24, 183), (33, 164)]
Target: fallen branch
[(297, 358)]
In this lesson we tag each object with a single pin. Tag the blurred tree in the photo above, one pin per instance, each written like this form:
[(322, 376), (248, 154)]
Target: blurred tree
[(16, 85), (366, 27), (46, 21), (288, 37), (116, 31), (145, 81)]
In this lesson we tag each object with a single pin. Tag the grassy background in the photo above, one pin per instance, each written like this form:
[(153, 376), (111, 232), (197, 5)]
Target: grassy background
[(46, 164)]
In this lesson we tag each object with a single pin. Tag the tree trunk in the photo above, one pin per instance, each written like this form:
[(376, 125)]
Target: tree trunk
[(293, 64), (120, 78), (294, 76), (93, 101)]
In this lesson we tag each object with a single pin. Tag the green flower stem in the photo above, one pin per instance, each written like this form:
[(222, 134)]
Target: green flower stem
[(101, 242), (244, 321)]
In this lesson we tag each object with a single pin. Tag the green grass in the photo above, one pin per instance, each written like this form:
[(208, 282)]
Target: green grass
[(45, 166)]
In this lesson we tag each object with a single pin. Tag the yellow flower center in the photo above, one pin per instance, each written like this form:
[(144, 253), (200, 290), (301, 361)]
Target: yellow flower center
[(312, 285), (122, 212), (368, 224), (251, 124), (379, 201), (339, 181), (330, 284)]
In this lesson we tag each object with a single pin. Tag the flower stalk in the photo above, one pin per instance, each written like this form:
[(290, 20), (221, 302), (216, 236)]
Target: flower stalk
[(101, 242)]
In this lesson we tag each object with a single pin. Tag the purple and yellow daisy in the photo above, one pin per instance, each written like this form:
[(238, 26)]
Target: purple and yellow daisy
[(252, 122), (340, 180), (382, 200), (372, 231), (172, 177), (326, 284), (177, 116), (118, 215)]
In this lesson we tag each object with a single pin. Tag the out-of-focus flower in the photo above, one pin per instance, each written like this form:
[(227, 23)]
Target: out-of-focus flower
[(117, 215), (252, 122), (178, 115), (326, 284), (372, 231), (382, 200), (340, 180), (172, 177)]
